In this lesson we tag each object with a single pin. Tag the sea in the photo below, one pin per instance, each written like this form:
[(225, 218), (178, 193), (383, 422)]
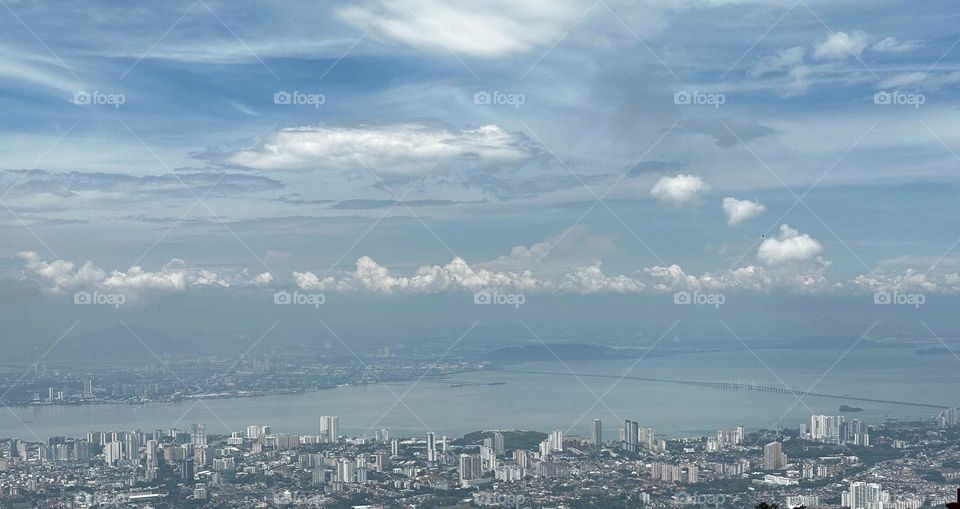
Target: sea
[(556, 395)]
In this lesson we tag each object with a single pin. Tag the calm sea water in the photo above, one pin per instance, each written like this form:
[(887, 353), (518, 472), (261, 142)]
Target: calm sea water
[(547, 402)]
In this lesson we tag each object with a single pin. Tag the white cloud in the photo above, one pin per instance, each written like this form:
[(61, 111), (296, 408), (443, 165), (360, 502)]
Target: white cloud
[(62, 275), (591, 279), (785, 58), (456, 275), (790, 247), (840, 45), (679, 189), (902, 79), (405, 149), (893, 45), (909, 280), (479, 28), (738, 211)]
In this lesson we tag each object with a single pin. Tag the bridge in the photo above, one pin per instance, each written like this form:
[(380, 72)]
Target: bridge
[(733, 386)]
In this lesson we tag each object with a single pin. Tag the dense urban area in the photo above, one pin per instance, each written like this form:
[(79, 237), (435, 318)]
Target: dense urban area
[(831, 461)]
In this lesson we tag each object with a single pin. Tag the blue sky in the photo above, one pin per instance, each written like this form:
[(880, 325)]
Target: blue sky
[(425, 146)]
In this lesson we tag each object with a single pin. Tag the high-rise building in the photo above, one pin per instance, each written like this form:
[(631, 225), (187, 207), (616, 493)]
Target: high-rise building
[(498, 443), (394, 447), (773, 456), (153, 460), (864, 495), (346, 470), (361, 471), (431, 447), (187, 471), (597, 434), (330, 428), (950, 417), (198, 435), (470, 467), (556, 441), (727, 437), (826, 428), (631, 433), (855, 432), (646, 438)]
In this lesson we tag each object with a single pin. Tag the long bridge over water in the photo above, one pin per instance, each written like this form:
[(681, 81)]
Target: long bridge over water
[(733, 386)]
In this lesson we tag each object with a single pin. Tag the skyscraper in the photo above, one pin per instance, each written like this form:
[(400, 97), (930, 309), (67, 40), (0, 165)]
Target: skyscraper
[(597, 434), (431, 447), (330, 428), (631, 435), (198, 434)]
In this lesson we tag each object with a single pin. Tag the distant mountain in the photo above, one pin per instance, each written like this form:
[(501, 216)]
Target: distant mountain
[(816, 343)]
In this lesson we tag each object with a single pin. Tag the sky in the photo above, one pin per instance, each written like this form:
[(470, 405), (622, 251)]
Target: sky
[(379, 152)]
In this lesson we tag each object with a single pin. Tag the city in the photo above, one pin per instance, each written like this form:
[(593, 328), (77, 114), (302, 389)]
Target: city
[(452, 254), (830, 462)]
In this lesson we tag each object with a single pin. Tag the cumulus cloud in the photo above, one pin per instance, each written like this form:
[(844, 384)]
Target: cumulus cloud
[(61, 275), (909, 280), (674, 278), (790, 247), (738, 211), (406, 149), (456, 275), (679, 189), (841, 45), (591, 279)]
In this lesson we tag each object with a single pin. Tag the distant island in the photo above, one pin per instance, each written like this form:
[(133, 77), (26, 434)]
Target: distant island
[(850, 409)]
